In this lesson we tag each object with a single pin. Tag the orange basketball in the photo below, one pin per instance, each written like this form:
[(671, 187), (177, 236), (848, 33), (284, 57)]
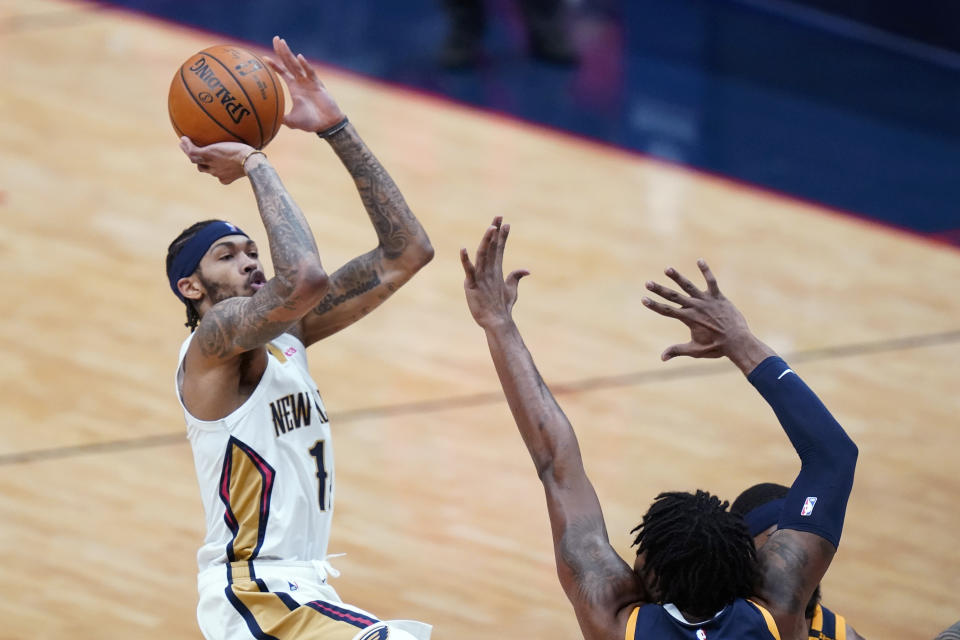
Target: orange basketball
[(226, 94)]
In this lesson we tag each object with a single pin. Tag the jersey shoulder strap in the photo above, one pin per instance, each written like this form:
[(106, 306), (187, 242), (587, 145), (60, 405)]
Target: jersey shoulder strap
[(631, 632), (826, 625), (768, 618)]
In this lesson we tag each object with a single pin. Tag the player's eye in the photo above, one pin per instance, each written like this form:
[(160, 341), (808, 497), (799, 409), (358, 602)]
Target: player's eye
[(226, 256), (253, 254)]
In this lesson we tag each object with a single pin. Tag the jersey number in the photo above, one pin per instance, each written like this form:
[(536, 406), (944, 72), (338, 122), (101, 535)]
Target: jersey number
[(317, 452)]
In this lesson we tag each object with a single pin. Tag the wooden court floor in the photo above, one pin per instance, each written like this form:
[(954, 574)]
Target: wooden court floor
[(439, 510)]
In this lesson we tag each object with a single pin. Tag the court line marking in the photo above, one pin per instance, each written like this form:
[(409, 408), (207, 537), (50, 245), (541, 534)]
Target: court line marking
[(693, 370)]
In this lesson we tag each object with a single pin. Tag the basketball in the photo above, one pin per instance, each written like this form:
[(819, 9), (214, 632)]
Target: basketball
[(226, 94)]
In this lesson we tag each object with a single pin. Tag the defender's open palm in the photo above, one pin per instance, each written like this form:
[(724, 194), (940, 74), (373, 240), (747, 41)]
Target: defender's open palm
[(716, 326), (314, 109), (489, 296)]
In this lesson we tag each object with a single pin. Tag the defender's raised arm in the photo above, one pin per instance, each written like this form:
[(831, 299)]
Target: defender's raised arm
[(600, 585), (796, 556)]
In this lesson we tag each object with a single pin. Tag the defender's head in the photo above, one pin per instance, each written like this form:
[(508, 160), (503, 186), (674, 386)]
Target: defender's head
[(695, 554), (211, 261), (760, 508)]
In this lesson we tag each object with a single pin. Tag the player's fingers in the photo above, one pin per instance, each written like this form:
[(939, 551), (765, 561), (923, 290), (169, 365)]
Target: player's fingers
[(278, 68), (484, 249), (668, 293), (468, 270), (662, 309), (203, 168), (312, 74), (712, 285), (512, 283), (501, 245), (514, 278), (281, 49), (195, 153), (692, 350), (187, 146), (299, 66), (306, 69), (685, 284), (286, 56), (492, 240)]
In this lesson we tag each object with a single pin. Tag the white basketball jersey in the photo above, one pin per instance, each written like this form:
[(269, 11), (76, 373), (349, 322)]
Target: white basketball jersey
[(266, 470)]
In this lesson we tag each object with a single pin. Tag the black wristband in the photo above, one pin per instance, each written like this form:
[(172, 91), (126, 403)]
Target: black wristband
[(326, 133)]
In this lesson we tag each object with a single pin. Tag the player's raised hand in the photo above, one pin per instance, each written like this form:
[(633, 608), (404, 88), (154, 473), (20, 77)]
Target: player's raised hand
[(490, 297), (314, 109), (223, 160), (717, 328)]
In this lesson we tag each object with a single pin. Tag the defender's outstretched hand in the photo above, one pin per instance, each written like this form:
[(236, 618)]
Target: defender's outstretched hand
[(717, 328), (489, 296), (223, 160), (314, 109)]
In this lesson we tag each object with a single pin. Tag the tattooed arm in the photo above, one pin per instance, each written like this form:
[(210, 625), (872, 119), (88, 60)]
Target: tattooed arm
[(223, 362), (402, 249), (602, 588), (239, 324)]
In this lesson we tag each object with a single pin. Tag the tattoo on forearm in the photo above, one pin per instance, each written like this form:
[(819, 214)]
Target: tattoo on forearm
[(288, 234), (395, 224), (349, 281), (247, 327), (243, 323)]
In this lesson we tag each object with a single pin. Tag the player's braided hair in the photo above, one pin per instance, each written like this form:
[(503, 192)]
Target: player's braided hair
[(699, 556), (193, 317)]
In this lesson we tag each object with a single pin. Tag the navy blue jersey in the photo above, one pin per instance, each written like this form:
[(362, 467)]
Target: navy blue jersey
[(742, 620)]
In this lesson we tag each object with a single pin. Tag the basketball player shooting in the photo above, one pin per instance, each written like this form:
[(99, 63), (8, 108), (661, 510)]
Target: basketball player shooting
[(697, 574), (255, 420)]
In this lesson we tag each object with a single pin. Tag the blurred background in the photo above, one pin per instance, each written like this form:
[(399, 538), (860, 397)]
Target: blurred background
[(848, 103), (808, 150)]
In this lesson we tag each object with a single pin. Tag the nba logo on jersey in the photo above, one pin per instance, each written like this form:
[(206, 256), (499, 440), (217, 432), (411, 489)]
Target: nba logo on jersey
[(808, 506), (701, 634), (293, 586)]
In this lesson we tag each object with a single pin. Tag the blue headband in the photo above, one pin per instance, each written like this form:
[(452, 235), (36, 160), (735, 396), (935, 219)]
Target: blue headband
[(763, 517), (193, 251)]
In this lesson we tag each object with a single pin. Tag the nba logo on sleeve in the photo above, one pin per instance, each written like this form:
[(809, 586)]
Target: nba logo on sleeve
[(808, 506), (701, 634)]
